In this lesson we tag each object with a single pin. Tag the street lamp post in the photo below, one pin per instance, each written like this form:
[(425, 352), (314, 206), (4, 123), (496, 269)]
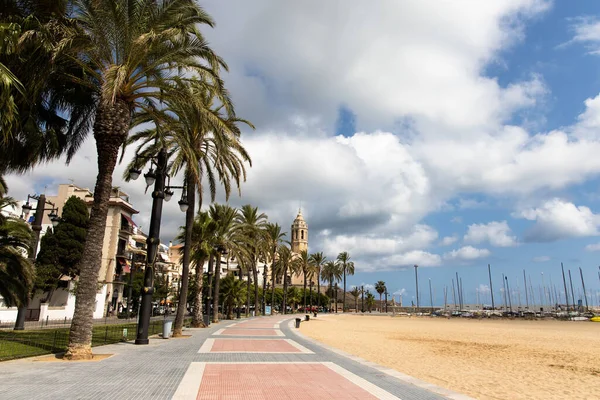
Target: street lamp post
[(159, 194), (264, 297), (239, 309), (430, 296), (417, 285), (36, 227)]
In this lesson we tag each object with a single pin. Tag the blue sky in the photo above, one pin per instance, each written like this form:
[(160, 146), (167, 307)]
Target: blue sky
[(450, 140)]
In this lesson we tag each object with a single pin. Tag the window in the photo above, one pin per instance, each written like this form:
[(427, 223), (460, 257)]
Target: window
[(302, 234)]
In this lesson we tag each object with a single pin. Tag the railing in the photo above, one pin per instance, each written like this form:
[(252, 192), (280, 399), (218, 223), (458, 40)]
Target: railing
[(55, 339), (127, 229)]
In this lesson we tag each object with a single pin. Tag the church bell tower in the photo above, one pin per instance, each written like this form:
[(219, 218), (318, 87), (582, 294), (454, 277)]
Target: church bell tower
[(299, 234)]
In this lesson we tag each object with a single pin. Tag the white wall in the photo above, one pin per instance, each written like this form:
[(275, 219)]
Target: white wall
[(8, 314), (61, 305)]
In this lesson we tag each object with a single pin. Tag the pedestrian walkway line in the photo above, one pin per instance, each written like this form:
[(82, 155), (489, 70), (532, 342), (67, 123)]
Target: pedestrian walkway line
[(249, 332), (208, 345), (218, 382)]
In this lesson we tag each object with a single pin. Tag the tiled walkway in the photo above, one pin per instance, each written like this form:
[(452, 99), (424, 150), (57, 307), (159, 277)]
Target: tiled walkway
[(260, 358)]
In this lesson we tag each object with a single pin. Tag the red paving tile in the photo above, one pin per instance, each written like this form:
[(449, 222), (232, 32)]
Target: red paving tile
[(275, 382), (250, 345), (235, 331)]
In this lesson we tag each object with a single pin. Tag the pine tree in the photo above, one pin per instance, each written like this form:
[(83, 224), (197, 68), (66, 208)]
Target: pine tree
[(61, 249)]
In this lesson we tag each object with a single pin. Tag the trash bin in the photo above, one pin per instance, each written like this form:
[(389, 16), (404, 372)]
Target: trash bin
[(167, 324), (307, 317), (206, 320), (298, 320)]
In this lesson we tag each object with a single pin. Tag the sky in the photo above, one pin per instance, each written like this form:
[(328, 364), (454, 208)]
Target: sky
[(446, 134)]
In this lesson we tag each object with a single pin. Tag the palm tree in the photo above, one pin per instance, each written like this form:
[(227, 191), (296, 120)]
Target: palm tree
[(355, 292), (201, 246), (317, 260), (250, 231), (347, 268), (44, 106), (131, 71), (370, 301), (284, 262), (380, 288), (16, 270), (203, 141), (331, 273), (274, 237), (224, 217), (293, 297), (233, 293), (308, 270)]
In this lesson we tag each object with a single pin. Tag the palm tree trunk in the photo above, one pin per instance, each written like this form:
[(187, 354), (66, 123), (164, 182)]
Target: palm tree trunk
[(255, 277), (331, 290), (344, 295), (185, 274), (248, 295), (230, 308), (209, 292), (215, 317), (318, 286), (304, 290), (197, 321), (110, 131), (273, 282)]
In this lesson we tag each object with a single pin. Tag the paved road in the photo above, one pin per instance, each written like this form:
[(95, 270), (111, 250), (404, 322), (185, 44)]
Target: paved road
[(259, 358)]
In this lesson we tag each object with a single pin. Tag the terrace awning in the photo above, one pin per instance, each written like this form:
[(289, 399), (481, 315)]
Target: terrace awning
[(125, 264)]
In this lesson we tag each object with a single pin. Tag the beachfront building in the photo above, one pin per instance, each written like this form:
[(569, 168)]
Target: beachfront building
[(124, 246)]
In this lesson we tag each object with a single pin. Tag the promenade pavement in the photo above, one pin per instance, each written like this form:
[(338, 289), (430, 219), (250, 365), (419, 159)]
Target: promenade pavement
[(257, 358)]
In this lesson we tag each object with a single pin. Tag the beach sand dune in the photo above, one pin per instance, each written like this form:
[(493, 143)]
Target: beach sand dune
[(486, 359)]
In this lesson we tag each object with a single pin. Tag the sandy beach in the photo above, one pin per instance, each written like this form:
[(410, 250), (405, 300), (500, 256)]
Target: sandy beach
[(486, 359)]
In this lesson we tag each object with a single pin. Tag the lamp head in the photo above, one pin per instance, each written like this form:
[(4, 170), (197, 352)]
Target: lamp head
[(134, 173), (168, 194), (150, 177), (183, 205)]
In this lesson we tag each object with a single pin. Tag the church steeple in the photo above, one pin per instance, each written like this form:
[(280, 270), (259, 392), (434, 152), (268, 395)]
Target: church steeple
[(299, 234)]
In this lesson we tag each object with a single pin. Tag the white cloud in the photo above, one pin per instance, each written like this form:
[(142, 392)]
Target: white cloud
[(496, 233), (539, 259), (410, 258), (448, 240), (399, 292), (398, 59), (421, 236), (593, 247), (482, 288), (559, 219), (587, 31), (467, 253)]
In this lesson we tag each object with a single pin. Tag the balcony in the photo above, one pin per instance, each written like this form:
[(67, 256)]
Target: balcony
[(126, 230)]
